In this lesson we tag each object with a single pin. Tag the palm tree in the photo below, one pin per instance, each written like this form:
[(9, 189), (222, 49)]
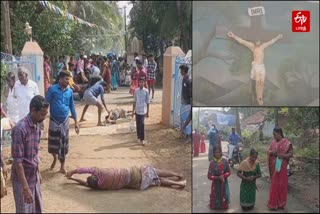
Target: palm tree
[(104, 14)]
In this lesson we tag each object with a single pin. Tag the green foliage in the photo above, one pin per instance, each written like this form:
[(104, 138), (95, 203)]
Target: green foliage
[(57, 35), (310, 151), (247, 134), (299, 119), (163, 21), (3, 75)]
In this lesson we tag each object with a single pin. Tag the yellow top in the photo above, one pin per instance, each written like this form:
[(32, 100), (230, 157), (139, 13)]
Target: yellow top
[(217, 160), (71, 83)]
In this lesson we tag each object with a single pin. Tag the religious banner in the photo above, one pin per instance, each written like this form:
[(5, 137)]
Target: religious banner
[(69, 16)]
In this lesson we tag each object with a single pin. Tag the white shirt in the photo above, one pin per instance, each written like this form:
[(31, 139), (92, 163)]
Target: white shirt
[(24, 95), (12, 106), (134, 64), (141, 97), (145, 63)]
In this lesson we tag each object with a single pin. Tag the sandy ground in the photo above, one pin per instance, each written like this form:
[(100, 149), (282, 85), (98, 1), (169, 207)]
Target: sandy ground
[(115, 146), (201, 190)]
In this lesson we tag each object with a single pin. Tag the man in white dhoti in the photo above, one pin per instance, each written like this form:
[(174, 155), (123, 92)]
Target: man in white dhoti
[(258, 71)]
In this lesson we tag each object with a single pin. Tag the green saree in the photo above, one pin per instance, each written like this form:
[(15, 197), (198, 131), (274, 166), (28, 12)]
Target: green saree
[(248, 188)]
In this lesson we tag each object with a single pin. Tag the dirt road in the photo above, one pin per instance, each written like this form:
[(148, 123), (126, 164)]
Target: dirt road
[(201, 190), (115, 146)]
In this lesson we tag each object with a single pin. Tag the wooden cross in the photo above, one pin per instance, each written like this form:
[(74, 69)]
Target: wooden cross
[(253, 33)]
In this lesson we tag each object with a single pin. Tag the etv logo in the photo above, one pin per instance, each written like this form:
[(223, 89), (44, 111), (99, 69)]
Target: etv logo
[(300, 21)]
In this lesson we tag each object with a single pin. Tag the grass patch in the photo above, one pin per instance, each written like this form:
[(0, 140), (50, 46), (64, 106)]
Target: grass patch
[(310, 152)]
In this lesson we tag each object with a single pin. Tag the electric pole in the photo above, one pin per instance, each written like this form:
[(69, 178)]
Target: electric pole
[(7, 30)]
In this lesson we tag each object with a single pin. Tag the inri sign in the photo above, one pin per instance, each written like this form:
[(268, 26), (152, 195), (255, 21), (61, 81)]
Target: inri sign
[(256, 11)]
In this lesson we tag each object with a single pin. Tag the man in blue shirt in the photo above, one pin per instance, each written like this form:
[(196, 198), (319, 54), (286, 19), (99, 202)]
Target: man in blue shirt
[(60, 97), (234, 138), (90, 97), (212, 136)]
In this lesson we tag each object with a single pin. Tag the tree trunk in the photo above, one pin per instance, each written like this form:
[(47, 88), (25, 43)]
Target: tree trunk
[(276, 117), (7, 30), (238, 129)]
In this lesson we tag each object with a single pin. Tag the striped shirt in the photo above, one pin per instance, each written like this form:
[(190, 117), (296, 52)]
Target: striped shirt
[(151, 70), (24, 149)]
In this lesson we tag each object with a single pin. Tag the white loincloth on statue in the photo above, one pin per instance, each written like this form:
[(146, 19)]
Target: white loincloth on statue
[(258, 71)]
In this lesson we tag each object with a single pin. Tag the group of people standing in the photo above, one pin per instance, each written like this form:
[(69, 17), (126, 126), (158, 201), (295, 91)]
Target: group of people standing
[(279, 153), (112, 69), (199, 145), (27, 110), (143, 68)]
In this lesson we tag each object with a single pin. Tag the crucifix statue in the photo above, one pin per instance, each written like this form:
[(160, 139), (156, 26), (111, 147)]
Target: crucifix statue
[(256, 39)]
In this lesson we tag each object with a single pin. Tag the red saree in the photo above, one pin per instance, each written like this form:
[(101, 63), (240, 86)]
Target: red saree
[(203, 145), (279, 180), (46, 76), (196, 144)]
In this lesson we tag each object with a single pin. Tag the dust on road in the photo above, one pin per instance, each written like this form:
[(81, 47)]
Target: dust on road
[(114, 146), (201, 190)]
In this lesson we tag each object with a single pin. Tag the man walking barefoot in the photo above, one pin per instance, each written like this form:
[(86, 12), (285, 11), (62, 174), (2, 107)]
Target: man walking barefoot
[(60, 97), (26, 178), (141, 108)]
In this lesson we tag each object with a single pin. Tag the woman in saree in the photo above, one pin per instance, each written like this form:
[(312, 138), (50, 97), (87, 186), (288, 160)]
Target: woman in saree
[(279, 153), (249, 171), (196, 143), (202, 143), (115, 70), (218, 173), (47, 71)]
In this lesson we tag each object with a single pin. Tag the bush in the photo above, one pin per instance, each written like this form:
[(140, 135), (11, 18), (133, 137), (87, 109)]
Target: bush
[(311, 152), (3, 76)]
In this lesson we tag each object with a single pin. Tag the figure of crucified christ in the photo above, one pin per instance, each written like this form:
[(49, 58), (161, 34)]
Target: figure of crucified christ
[(258, 71)]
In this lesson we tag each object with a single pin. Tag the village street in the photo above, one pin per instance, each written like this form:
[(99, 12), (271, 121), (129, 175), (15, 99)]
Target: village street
[(201, 190), (114, 146)]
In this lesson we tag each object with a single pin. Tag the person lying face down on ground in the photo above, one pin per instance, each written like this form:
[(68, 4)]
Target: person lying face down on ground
[(128, 178), (116, 114)]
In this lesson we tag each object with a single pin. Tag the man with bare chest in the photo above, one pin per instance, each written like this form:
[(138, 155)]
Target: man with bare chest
[(258, 71)]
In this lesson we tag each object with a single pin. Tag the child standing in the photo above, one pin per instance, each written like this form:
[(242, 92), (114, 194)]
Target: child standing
[(141, 108), (218, 173), (249, 171)]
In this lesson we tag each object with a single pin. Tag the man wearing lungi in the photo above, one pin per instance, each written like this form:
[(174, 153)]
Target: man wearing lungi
[(186, 96), (60, 97), (258, 71), (128, 178), (25, 176)]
